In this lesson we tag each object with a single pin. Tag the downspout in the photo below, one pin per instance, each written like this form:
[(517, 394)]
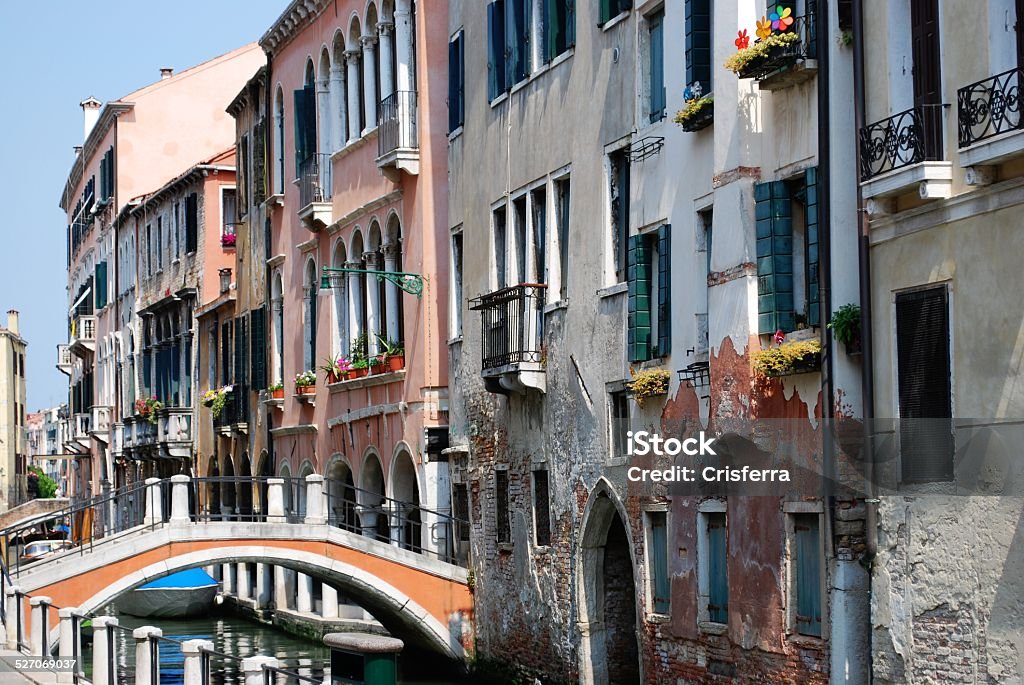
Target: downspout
[(268, 439)]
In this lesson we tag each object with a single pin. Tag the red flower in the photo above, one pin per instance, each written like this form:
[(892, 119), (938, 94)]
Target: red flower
[(742, 40), (780, 337)]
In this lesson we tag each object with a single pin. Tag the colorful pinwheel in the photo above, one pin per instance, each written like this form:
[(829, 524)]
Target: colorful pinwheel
[(743, 40), (764, 28), (780, 337), (781, 18)]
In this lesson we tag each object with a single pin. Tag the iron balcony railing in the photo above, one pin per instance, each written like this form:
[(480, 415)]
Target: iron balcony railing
[(904, 139), (990, 107), (512, 325), (315, 179), (396, 121)]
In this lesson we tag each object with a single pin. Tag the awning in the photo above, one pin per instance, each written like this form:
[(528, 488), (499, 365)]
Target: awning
[(79, 300)]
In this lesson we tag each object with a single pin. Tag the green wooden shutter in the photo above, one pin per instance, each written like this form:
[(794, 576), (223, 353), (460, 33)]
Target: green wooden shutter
[(664, 290), (191, 222), (812, 257), (513, 16), (656, 64), (774, 217), (661, 589), (605, 11), (639, 275), (808, 575), (258, 337), (698, 43), (718, 577), (305, 124), (100, 287), (461, 61), (495, 49)]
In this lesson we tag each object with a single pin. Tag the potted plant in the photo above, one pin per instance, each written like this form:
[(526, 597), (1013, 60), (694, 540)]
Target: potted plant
[(648, 383), (394, 354), (845, 326), (336, 369), (148, 408), (228, 240), (216, 399), (377, 364), (358, 357), (788, 358), (305, 383), (774, 39), (276, 391), (698, 109)]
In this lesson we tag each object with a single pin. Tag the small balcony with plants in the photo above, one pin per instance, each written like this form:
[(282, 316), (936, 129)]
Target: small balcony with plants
[(784, 52), (903, 154), (698, 110), (990, 124), (513, 359), (315, 192), (398, 147)]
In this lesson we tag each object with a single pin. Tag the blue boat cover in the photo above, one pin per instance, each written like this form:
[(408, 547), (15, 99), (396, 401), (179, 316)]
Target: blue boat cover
[(194, 577)]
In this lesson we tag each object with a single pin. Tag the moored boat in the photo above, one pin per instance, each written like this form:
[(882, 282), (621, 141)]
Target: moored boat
[(179, 595)]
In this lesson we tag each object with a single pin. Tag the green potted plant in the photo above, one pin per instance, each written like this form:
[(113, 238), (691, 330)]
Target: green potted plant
[(358, 357), (774, 41), (148, 408), (648, 383), (216, 398), (394, 354), (788, 358), (697, 113), (845, 326), (276, 391), (305, 383), (336, 369)]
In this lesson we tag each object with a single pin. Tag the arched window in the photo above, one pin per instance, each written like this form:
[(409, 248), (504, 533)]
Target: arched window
[(324, 112), (356, 78), (309, 316), (374, 289), (339, 92), (386, 49), (340, 298), (357, 294), (371, 63), (279, 142), (394, 321), (277, 306)]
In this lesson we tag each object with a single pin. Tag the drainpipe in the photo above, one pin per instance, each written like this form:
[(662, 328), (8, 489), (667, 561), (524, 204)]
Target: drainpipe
[(825, 242)]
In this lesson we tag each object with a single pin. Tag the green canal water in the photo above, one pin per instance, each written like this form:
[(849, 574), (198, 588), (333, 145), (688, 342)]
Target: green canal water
[(235, 637)]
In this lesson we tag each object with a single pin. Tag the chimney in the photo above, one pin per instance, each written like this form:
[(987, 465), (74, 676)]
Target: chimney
[(12, 321), (166, 72), (91, 113)]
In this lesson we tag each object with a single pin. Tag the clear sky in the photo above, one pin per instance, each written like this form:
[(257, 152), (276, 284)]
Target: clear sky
[(53, 55)]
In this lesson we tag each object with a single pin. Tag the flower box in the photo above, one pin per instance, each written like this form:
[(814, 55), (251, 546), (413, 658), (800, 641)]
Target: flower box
[(696, 114), (789, 359), (377, 365), (395, 362), (277, 394), (766, 55), (305, 390), (358, 373)]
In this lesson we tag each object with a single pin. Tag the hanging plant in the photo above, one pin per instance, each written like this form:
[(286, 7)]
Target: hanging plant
[(649, 383), (845, 326), (216, 399)]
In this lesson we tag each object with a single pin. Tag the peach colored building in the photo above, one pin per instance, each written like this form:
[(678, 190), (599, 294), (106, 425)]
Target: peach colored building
[(357, 171), (132, 146)]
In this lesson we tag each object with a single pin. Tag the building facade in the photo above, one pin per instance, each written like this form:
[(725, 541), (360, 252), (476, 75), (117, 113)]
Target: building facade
[(941, 211), (44, 435), (12, 413)]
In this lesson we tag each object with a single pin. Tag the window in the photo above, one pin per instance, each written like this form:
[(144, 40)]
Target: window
[(925, 397), (460, 511), (559, 27), (149, 250), (713, 580), (698, 44), (657, 540), (521, 245), (100, 281), (806, 574), (305, 124), (618, 163), (496, 83), (456, 303), (503, 524), (562, 205), (656, 66), (787, 253), (107, 175), (456, 82), (229, 211), (705, 221), (541, 509), (618, 423), (500, 248), (650, 283), (279, 142), (517, 40), (191, 223), (176, 222), (258, 343), (159, 243), (538, 272), (609, 9)]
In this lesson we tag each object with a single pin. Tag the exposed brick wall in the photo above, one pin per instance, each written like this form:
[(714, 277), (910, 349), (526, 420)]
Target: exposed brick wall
[(620, 608)]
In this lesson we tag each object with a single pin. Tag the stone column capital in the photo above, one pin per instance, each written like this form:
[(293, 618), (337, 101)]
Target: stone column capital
[(368, 42), (385, 28)]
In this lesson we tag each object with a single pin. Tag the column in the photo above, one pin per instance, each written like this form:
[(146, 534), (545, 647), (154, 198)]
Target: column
[(315, 500), (387, 77), (304, 594), (372, 304), (391, 292), (325, 120), (15, 616), (40, 607), (145, 657), (264, 579), (67, 639), (179, 500), (280, 588), (352, 56), (227, 579), (154, 503), (102, 663), (275, 500), (339, 128), (355, 298), (242, 582), (329, 601), (252, 668), (406, 76), (369, 81), (191, 650)]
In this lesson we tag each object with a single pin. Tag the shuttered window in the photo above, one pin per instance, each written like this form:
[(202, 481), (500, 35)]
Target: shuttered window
[(774, 225), (649, 265), (100, 292), (258, 357), (922, 342), (496, 84), (259, 162), (609, 9), (656, 66), (811, 246), (191, 223), (517, 40), (807, 563), (718, 579), (503, 525), (660, 587), (639, 305), (664, 265), (618, 193), (225, 353), (541, 508), (460, 511), (456, 82), (305, 124), (698, 43), (559, 27)]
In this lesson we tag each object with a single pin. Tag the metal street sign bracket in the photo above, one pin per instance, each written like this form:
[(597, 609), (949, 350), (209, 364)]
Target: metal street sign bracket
[(410, 283)]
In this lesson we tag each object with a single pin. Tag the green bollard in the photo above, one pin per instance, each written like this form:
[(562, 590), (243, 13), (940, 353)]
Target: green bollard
[(363, 658)]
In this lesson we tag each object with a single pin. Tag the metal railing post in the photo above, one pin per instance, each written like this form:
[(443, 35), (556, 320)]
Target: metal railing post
[(192, 651), (40, 610), (147, 655), (179, 500), (67, 645), (104, 669)]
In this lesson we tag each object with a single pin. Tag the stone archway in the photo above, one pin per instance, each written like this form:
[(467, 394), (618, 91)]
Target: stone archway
[(341, 495), (608, 612), (407, 519)]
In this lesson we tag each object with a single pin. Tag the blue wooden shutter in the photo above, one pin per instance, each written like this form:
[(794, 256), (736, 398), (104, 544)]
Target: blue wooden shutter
[(462, 78), (570, 23), (718, 578), (661, 590), (774, 216), (639, 315), (812, 260), (495, 49), (657, 67), (698, 43), (808, 575), (664, 290), (513, 16)]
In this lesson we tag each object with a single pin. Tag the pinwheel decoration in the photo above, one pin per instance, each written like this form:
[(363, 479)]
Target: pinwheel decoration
[(780, 337), (764, 28), (742, 40), (781, 18)]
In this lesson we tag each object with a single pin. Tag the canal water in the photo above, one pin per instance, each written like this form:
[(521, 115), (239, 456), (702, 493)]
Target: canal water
[(235, 637)]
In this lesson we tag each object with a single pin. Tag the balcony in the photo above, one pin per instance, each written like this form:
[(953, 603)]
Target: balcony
[(100, 422), (787, 65), (170, 436), (83, 335), (64, 359), (315, 192), (904, 153), (512, 331), (990, 125), (235, 414), (117, 439), (397, 145)]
